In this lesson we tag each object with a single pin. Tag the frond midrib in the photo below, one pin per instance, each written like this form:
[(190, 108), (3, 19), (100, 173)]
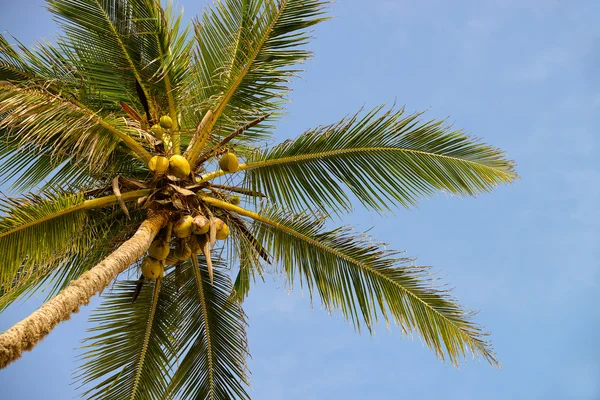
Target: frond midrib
[(305, 157), (146, 337), (209, 349)]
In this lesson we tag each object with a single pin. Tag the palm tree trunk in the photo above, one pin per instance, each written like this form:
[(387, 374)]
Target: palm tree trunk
[(25, 335)]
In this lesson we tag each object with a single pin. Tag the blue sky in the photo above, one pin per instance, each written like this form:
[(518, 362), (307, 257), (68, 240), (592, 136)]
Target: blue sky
[(520, 74)]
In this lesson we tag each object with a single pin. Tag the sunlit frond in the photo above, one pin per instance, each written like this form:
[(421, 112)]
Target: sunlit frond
[(37, 120), (385, 159), (361, 278), (247, 52)]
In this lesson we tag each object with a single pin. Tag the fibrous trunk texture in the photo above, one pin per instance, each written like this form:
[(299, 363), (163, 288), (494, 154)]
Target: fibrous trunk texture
[(25, 335)]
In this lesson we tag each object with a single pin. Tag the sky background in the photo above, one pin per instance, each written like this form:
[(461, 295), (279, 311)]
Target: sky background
[(520, 74)]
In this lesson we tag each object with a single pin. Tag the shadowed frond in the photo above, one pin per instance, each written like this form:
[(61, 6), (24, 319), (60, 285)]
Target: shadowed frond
[(212, 338), (103, 35), (249, 255), (41, 230), (129, 354), (383, 158), (246, 56), (50, 279)]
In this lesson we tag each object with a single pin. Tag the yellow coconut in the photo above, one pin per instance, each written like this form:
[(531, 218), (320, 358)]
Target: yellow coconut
[(222, 229), (152, 268), (159, 249), (182, 254), (183, 227), (235, 200), (166, 122), (158, 164), (179, 166), (200, 225), (229, 162), (157, 130)]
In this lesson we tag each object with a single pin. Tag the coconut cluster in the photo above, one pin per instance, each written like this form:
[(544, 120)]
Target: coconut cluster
[(191, 236)]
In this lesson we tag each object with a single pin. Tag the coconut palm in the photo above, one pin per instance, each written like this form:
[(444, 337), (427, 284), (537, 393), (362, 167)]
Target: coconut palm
[(127, 133)]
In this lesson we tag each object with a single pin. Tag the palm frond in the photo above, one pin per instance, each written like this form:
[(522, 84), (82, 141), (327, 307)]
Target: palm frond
[(385, 159), (249, 254), (358, 276), (111, 229), (246, 55), (130, 352), (42, 230), (103, 35), (164, 43), (364, 280), (37, 120), (45, 62), (212, 338)]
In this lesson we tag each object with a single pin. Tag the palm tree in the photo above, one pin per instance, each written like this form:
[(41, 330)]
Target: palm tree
[(127, 132)]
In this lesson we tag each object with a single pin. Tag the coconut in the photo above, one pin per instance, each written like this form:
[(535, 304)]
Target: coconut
[(159, 249), (235, 200), (229, 162), (200, 225), (182, 254), (152, 268), (157, 130), (183, 227), (166, 122), (158, 164), (179, 166), (222, 229)]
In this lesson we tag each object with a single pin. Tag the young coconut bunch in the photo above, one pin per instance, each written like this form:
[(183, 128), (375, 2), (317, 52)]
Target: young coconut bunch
[(143, 135)]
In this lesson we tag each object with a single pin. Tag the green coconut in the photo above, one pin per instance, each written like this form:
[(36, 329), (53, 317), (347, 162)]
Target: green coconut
[(152, 268), (222, 229), (159, 249), (166, 122), (229, 162), (158, 164), (179, 166), (182, 254), (235, 200), (200, 225), (183, 227), (157, 130)]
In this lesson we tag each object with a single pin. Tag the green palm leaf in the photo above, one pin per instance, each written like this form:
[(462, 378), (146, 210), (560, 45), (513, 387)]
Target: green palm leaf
[(103, 35), (36, 119), (247, 52), (110, 229), (212, 338), (42, 230), (358, 276), (384, 159), (129, 354)]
